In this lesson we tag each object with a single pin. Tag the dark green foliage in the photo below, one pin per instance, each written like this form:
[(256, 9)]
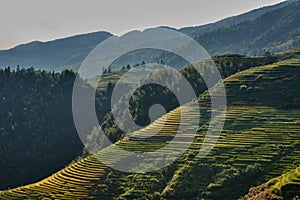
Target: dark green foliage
[(270, 88), (150, 94), (36, 125), (37, 132), (257, 142), (35, 197)]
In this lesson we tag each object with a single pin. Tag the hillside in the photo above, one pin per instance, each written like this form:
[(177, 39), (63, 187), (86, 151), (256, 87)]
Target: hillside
[(274, 28), (231, 21), (40, 110), (275, 31), (258, 142), (53, 55), (286, 186), (35, 106), (37, 131)]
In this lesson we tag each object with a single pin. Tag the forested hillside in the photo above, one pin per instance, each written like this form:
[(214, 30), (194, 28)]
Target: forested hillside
[(275, 31), (37, 134), (259, 141), (37, 126), (255, 156)]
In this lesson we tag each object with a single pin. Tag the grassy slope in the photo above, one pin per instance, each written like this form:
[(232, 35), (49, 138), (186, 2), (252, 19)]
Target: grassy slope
[(286, 186), (257, 143)]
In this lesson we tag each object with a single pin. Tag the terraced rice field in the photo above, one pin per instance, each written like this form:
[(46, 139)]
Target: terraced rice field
[(286, 186), (258, 131), (73, 182), (77, 180), (288, 183)]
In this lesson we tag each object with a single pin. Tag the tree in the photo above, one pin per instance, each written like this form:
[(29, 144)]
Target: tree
[(267, 54)]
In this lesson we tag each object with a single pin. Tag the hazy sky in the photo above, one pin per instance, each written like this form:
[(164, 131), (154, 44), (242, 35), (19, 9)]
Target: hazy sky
[(27, 20)]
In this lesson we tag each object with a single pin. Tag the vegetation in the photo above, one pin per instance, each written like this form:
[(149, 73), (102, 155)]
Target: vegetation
[(35, 118), (150, 94), (37, 132), (274, 31), (259, 141), (36, 115), (286, 186)]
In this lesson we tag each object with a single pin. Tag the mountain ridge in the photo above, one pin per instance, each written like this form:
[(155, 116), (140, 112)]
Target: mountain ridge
[(275, 31), (52, 55), (69, 55), (233, 20)]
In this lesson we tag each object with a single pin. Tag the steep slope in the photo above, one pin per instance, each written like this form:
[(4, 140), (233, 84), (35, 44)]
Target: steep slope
[(52, 55), (85, 178), (286, 186), (259, 138), (231, 21), (275, 31), (258, 142), (294, 53), (37, 116), (37, 132)]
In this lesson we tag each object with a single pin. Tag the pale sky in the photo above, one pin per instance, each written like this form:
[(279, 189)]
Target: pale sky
[(23, 21)]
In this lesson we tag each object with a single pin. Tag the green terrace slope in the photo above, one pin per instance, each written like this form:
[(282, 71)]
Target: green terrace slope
[(259, 141), (260, 137), (294, 53), (286, 186), (81, 179)]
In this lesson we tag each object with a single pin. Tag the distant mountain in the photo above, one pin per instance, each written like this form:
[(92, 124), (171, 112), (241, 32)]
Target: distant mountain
[(274, 31), (273, 28), (231, 21), (52, 55)]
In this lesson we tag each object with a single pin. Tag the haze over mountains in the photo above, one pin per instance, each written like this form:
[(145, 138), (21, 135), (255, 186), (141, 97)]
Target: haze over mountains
[(251, 33), (53, 54), (40, 144), (231, 21), (275, 31)]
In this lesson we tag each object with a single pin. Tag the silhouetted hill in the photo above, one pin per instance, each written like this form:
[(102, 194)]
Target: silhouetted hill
[(273, 28), (52, 55)]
